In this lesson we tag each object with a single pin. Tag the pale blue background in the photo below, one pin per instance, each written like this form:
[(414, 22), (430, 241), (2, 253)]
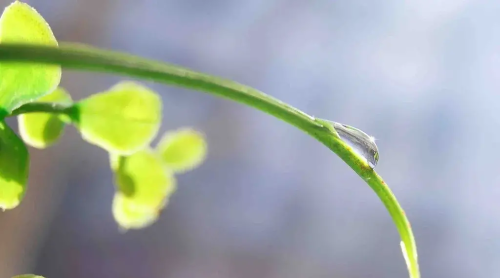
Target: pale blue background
[(421, 76)]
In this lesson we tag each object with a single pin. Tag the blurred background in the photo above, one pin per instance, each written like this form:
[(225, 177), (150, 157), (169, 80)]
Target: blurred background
[(270, 202)]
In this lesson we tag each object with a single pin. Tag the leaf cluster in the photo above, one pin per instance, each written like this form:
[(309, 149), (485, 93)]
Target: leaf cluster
[(122, 120)]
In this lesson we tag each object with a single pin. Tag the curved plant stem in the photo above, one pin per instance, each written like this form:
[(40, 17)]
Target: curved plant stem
[(37, 107), (82, 57)]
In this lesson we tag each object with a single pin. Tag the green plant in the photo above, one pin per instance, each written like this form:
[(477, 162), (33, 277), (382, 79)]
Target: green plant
[(131, 159), (144, 176)]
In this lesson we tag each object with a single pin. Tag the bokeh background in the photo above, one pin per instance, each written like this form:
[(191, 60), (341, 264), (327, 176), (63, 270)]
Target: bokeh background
[(421, 76)]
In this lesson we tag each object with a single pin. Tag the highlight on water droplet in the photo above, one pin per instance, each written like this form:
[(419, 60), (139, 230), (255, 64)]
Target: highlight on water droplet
[(362, 143)]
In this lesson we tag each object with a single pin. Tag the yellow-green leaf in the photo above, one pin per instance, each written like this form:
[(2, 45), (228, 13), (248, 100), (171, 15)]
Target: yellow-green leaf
[(143, 187), (41, 130), (21, 83), (14, 167), (143, 179), (183, 149), (129, 216), (28, 276), (122, 120)]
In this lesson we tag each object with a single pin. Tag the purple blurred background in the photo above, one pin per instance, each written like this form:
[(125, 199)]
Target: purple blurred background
[(270, 202)]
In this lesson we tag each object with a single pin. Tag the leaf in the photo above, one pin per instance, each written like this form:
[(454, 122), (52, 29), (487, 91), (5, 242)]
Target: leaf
[(143, 187), (129, 216), (21, 83), (28, 276), (41, 130), (14, 167), (183, 149), (143, 179), (122, 120)]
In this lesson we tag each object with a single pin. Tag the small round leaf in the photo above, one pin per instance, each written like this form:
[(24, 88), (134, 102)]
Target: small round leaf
[(14, 167), (143, 187), (143, 179), (20, 82), (122, 120), (183, 149), (129, 216), (41, 130)]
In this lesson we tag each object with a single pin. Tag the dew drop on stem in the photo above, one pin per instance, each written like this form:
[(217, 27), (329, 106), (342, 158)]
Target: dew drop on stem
[(363, 144)]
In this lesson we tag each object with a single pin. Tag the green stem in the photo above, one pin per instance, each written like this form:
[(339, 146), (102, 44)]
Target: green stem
[(38, 107), (92, 59)]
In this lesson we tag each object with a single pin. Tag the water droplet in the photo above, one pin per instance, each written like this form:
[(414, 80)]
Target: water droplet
[(362, 143)]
